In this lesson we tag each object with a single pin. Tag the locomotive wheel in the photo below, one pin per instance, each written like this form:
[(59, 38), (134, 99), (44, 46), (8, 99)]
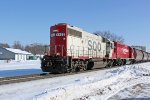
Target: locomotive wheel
[(69, 70), (109, 64), (85, 65), (124, 62), (90, 65), (59, 69), (77, 69)]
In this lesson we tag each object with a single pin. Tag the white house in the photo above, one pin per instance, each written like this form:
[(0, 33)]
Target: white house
[(13, 54)]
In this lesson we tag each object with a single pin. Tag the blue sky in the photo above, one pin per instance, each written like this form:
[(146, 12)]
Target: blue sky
[(28, 21)]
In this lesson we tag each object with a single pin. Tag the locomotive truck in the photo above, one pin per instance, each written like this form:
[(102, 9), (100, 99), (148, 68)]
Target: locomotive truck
[(73, 49)]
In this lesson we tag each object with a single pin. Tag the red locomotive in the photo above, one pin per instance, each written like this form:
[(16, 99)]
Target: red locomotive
[(73, 49)]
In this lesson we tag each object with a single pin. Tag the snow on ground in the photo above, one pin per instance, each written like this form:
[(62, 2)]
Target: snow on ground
[(140, 90), (130, 81), (17, 68)]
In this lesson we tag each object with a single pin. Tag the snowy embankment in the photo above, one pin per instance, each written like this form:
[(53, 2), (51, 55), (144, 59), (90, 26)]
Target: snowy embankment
[(17, 68), (98, 85), (101, 86)]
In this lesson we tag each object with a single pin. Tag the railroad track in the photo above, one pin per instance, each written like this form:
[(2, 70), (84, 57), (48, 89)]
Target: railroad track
[(17, 79), (25, 78)]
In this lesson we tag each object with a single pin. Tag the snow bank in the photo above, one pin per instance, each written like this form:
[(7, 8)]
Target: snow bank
[(15, 68), (99, 86)]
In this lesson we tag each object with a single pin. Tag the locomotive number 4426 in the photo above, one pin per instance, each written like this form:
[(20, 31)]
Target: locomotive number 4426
[(57, 34)]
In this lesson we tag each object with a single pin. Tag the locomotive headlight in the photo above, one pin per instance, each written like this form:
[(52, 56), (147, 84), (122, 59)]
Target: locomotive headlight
[(55, 31), (64, 38)]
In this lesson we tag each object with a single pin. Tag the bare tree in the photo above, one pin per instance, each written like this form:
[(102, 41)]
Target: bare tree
[(36, 48), (110, 36), (4, 45), (18, 45)]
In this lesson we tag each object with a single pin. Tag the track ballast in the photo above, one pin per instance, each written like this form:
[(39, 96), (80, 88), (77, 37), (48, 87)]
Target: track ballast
[(25, 78)]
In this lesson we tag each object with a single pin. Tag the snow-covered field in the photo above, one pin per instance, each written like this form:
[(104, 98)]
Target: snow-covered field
[(130, 81), (14, 68)]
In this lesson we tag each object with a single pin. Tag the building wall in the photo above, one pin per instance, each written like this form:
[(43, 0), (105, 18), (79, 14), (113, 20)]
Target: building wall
[(6, 55), (19, 57)]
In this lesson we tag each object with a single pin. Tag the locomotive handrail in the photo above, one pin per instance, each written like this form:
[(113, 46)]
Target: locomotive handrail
[(76, 51), (83, 51)]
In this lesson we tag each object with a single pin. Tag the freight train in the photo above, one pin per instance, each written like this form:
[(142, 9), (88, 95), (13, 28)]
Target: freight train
[(73, 49)]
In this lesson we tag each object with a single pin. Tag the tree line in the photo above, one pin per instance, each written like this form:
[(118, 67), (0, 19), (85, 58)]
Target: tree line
[(111, 36), (37, 48)]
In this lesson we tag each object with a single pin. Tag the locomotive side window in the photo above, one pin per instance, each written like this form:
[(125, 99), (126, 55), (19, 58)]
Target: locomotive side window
[(74, 33)]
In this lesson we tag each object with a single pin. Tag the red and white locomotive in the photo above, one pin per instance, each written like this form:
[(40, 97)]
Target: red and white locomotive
[(73, 49)]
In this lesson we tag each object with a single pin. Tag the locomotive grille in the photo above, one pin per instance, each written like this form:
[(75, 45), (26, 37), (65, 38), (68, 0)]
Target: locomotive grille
[(74, 33)]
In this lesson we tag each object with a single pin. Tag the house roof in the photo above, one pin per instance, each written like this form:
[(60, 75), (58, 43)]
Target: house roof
[(17, 51)]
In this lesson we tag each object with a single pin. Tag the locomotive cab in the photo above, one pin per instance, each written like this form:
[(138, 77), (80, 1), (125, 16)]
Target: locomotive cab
[(56, 61)]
